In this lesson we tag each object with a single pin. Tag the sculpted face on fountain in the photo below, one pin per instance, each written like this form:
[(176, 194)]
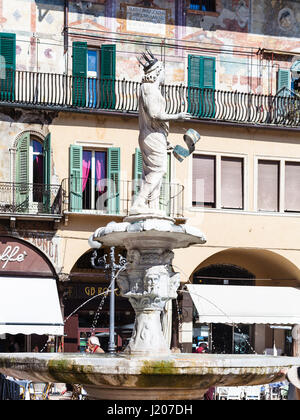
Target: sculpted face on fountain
[(157, 281)]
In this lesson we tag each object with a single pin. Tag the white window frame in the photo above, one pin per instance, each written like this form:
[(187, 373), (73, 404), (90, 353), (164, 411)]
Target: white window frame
[(218, 181)]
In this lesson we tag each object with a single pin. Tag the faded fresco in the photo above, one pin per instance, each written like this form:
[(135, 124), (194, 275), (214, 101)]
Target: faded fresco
[(236, 33), (276, 18)]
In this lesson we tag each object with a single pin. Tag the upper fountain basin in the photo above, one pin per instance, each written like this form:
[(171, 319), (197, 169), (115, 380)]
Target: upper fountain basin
[(149, 233)]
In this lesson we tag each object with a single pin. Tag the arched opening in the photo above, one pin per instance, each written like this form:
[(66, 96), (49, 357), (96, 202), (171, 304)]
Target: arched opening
[(86, 283), (267, 267), (223, 338), (265, 270), (224, 274)]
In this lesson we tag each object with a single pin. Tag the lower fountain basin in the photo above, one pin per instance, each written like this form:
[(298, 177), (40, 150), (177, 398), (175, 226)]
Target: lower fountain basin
[(123, 377)]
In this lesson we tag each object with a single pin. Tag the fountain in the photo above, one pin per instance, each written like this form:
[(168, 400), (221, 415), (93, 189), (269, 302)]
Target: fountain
[(148, 370)]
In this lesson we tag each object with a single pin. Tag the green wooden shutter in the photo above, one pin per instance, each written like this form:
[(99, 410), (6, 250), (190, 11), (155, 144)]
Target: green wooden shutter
[(208, 84), (108, 76), (113, 175), (7, 66), (201, 84), (75, 178), (165, 191), (47, 173), (194, 84), (79, 73), (283, 81), (208, 72), (138, 171), (22, 173)]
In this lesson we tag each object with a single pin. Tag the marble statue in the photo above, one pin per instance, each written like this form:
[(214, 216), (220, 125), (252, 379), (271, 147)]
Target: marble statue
[(153, 137)]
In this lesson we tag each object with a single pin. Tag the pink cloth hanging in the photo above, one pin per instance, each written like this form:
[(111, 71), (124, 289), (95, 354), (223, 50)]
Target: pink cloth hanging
[(98, 176), (100, 171), (86, 166)]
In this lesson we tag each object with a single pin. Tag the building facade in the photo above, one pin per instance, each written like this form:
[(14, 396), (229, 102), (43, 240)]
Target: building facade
[(70, 162)]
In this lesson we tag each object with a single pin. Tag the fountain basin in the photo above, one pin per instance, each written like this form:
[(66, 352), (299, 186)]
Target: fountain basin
[(124, 377)]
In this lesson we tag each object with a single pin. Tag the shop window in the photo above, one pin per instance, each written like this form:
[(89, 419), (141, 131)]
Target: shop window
[(203, 5), (223, 338)]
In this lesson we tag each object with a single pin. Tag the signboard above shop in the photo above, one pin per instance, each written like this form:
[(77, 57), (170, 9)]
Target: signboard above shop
[(20, 258)]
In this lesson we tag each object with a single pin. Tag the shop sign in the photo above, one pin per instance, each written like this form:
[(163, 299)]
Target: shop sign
[(47, 243), (82, 291), (19, 257), (12, 254)]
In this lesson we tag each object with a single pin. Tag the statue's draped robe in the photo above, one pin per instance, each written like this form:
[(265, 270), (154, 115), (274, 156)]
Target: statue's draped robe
[(153, 137)]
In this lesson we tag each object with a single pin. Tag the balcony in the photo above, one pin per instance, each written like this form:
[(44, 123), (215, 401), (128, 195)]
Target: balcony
[(30, 201), (67, 93), (107, 197)]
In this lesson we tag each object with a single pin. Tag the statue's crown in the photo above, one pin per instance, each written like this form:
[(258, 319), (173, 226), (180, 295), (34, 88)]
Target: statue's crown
[(147, 60)]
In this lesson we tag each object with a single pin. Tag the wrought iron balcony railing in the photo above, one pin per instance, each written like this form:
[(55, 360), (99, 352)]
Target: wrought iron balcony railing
[(62, 92), (114, 197), (33, 199)]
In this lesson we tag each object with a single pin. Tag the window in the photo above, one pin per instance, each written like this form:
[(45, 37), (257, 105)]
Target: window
[(94, 74), (95, 179), (218, 181), (268, 185), (292, 186), (93, 68), (203, 5), (36, 168), (232, 183), (204, 181), (278, 185), (201, 85), (94, 175), (33, 171)]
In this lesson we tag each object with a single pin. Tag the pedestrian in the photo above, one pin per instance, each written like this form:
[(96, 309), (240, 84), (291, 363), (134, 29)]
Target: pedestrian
[(210, 394), (202, 348), (94, 345)]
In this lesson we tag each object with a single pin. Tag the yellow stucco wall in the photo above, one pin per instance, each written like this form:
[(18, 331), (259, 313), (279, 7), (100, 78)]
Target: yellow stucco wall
[(224, 229)]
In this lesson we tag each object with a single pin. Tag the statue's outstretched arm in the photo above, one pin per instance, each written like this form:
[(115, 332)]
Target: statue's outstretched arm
[(155, 111)]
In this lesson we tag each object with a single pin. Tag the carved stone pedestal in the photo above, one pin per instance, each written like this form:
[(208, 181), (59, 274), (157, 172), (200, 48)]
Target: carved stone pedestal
[(149, 280)]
